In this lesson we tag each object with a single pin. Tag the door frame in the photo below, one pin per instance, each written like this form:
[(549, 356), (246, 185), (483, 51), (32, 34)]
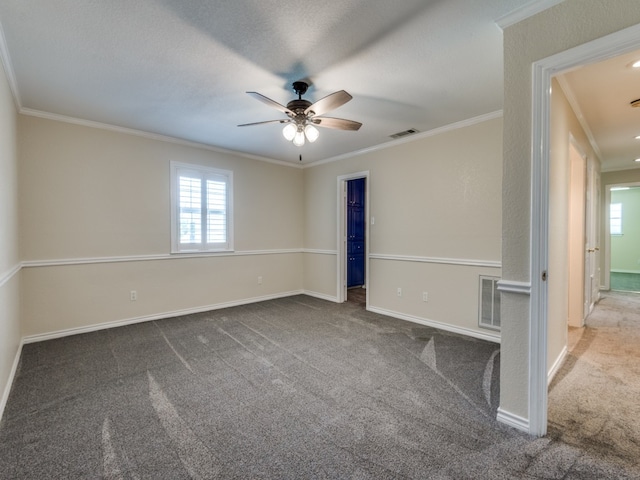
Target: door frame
[(341, 240), (609, 46)]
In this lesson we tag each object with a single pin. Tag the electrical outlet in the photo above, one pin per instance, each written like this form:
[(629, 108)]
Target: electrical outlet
[(399, 292), (425, 296), (259, 280), (133, 295)]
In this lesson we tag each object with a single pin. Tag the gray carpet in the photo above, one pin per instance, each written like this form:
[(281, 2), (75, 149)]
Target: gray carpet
[(594, 401), (285, 389)]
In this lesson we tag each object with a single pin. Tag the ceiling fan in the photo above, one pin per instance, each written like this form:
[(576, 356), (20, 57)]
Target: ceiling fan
[(304, 116)]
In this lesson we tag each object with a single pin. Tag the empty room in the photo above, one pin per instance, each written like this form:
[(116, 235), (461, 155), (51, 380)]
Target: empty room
[(265, 239)]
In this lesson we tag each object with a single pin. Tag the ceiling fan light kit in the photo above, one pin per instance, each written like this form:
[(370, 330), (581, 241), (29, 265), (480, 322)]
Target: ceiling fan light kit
[(311, 133), (304, 116), (289, 131)]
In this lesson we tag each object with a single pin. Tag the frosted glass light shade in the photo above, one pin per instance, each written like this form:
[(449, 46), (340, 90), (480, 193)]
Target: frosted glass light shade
[(312, 133), (298, 139), (289, 131)]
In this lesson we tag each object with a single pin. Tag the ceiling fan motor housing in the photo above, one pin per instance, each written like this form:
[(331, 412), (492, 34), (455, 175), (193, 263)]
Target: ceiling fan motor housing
[(299, 106)]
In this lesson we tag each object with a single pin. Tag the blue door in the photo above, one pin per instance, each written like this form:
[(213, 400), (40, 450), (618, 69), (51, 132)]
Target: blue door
[(355, 232)]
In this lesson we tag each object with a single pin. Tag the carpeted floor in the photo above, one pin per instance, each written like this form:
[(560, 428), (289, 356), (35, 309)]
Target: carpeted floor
[(294, 388), (594, 400)]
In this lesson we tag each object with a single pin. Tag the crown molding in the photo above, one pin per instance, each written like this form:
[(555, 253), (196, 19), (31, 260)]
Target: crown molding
[(528, 10), (575, 106), (5, 59), (413, 138), (152, 136)]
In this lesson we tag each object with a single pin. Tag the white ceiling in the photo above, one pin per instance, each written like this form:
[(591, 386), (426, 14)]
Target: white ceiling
[(600, 94), (181, 69)]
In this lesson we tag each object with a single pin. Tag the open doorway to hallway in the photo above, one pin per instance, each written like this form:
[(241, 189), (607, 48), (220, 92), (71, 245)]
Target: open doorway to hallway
[(546, 358)]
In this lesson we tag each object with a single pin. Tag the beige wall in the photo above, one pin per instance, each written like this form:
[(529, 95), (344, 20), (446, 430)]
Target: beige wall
[(564, 127), (571, 23), (559, 181), (9, 256), (618, 177), (577, 237), (434, 199), (92, 202)]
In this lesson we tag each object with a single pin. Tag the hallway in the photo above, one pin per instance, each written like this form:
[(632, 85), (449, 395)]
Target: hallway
[(594, 399)]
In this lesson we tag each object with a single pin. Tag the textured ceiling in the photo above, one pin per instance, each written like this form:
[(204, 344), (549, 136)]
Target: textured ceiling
[(181, 69)]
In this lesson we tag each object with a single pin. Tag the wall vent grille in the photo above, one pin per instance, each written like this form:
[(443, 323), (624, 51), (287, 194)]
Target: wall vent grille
[(411, 131), (489, 311)]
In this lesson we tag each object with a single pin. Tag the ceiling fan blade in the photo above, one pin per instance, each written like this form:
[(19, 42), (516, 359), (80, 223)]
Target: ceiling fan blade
[(267, 121), (329, 102), (339, 123), (271, 103)]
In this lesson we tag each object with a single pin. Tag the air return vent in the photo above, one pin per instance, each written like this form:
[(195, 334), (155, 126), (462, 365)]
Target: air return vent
[(489, 311), (411, 131)]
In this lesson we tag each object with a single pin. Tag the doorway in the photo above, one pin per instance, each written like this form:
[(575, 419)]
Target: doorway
[(353, 235), (543, 72), (356, 269)]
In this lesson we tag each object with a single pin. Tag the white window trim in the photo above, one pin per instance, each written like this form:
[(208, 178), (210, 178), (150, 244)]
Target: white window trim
[(175, 237)]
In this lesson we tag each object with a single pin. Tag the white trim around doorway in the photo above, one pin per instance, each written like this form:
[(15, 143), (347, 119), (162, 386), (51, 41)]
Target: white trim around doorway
[(341, 281), (543, 70)]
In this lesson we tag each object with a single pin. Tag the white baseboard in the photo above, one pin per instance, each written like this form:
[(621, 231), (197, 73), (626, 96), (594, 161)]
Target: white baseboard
[(9, 384), (513, 420), (556, 365), (322, 296), (491, 337), (147, 318)]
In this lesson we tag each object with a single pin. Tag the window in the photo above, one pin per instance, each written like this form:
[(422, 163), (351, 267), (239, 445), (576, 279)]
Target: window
[(615, 218), (201, 213)]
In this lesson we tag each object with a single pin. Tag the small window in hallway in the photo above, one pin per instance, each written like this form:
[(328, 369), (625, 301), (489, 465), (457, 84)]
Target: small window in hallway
[(615, 218)]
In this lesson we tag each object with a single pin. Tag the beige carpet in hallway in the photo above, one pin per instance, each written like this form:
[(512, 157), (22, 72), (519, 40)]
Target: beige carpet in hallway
[(594, 400)]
